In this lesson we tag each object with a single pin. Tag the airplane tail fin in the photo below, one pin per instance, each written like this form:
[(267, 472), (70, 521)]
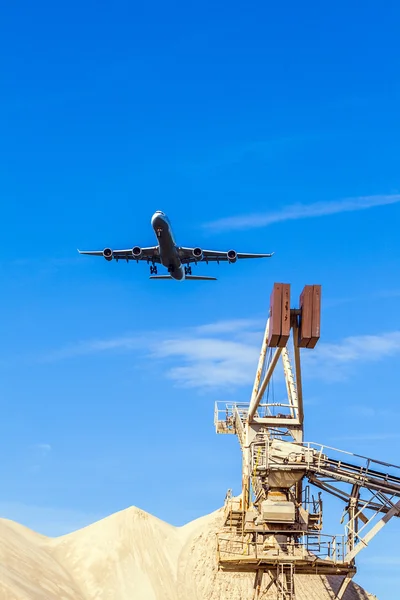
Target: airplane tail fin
[(198, 277)]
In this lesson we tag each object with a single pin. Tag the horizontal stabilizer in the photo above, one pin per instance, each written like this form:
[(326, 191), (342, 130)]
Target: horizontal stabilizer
[(201, 277), (198, 277)]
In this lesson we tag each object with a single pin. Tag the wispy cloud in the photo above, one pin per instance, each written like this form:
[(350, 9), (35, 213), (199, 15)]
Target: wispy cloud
[(371, 412), (209, 362), (232, 326), (384, 561), (229, 357), (301, 211), (44, 449), (365, 347), (388, 294), (213, 355), (225, 353), (39, 454), (335, 361), (81, 348)]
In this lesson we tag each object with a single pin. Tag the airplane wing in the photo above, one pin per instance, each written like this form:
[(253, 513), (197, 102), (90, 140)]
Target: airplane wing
[(189, 277), (189, 255), (148, 254)]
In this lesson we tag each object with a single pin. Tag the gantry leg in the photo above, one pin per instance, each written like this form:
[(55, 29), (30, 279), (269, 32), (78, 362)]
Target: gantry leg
[(257, 584), (343, 587)]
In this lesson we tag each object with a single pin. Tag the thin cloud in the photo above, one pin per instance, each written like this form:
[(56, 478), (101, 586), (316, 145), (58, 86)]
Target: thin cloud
[(301, 211), (39, 454), (209, 362), (388, 561), (365, 347), (333, 362), (388, 294), (229, 358), (225, 353), (369, 412), (211, 355), (123, 343), (206, 361), (43, 448), (229, 326)]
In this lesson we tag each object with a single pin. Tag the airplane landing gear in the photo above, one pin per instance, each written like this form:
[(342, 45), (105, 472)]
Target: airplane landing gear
[(153, 270), (188, 270)]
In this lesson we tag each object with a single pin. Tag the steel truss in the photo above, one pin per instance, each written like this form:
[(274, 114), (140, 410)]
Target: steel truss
[(276, 463)]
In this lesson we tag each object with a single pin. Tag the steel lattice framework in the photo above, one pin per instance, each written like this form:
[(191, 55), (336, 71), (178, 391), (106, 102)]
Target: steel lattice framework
[(276, 523)]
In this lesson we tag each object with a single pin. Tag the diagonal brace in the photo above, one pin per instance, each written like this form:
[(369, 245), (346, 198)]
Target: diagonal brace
[(393, 512)]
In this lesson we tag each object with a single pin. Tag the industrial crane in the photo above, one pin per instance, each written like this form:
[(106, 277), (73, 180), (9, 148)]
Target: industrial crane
[(275, 525)]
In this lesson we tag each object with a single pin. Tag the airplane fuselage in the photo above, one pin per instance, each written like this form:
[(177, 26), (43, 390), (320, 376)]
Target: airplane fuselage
[(169, 255), (177, 259)]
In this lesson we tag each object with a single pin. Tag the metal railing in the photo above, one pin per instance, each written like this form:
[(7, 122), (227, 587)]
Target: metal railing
[(310, 547), (326, 460), (265, 455), (226, 414)]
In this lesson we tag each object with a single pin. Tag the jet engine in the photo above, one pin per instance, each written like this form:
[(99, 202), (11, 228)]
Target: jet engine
[(232, 256), (108, 253), (136, 252), (197, 253)]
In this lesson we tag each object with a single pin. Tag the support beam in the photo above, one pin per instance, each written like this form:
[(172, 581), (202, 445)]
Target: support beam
[(257, 583), (250, 433), (290, 385), (297, 364), (353, 516), (393, 512), (261, 362), (272, 581), (263, 387), (277, 422), (343, 587)]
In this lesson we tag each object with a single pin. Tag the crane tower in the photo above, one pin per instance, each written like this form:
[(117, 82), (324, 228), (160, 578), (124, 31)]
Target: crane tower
[(275, 525)]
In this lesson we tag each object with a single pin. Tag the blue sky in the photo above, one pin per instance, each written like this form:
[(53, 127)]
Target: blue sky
[(255, 127)]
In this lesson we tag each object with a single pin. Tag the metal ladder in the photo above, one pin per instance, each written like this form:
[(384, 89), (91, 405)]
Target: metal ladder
[(285, 582)]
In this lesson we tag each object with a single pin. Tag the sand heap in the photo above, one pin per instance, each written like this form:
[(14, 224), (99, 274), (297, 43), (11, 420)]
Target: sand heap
[(133, 556)]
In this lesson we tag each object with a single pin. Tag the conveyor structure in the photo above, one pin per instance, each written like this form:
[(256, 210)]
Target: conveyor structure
[(275, 525)]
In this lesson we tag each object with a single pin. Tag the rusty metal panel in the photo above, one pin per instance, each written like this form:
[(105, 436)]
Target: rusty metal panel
[(285, 318), (316, 317), (305, 330), (275, 319)]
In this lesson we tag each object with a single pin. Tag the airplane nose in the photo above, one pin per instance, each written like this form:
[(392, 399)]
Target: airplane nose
[(157, 218)]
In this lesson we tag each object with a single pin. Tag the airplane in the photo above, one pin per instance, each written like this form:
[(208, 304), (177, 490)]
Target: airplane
[(176, 259)]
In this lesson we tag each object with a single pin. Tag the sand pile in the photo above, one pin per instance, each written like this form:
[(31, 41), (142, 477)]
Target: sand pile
[(133, 556)]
